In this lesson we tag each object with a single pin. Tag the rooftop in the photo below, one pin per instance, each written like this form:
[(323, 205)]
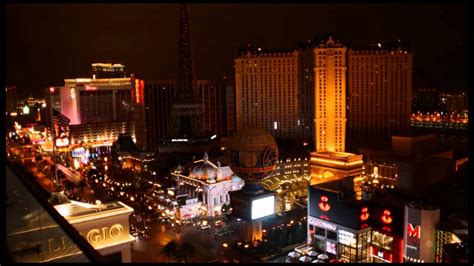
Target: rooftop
[(76, 211), (346, 187)]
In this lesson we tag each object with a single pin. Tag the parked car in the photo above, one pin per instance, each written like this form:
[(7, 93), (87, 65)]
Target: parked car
[(205, 226)]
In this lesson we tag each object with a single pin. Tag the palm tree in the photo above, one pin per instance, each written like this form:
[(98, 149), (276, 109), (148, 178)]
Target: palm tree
[(186, 251), (170, 251)]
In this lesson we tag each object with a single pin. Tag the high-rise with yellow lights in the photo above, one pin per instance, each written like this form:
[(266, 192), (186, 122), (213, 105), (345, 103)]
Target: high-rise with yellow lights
[(379, 81), (330, 96), (267, 91), (329, 161)]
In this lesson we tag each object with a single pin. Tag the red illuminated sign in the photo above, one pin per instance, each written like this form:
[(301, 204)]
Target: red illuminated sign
[(139, 88), (142, 88), (364, 214), (324, 217), (414, 232), (89, 88), (386, 217), (323, 204)]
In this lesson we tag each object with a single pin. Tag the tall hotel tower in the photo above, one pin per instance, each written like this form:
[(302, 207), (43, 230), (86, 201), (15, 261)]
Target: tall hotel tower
[(267, 91), (380, 85), (330, 96), (330, 162)]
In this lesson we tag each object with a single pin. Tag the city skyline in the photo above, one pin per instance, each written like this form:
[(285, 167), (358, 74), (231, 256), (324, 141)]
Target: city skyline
[(243, 133), (144, 36)]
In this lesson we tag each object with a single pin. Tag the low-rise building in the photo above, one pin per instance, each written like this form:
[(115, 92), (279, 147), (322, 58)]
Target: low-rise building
[(209, 181)]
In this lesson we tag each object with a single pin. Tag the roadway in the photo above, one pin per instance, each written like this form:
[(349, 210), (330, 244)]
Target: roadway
[(208, 248)]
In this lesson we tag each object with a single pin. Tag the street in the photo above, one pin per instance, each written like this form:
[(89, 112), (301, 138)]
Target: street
[(207, 247)]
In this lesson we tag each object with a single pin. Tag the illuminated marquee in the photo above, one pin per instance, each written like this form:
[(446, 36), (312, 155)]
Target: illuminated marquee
[(114, 232), (322, 224)]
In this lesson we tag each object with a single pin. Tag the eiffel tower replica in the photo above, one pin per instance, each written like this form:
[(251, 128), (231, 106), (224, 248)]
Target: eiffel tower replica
[(187, 111)]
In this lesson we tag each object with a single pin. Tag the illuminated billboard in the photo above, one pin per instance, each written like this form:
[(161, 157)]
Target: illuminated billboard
[(263, 207), (328, 205)]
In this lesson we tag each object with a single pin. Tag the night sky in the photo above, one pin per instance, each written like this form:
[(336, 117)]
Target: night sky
[(49, 42)]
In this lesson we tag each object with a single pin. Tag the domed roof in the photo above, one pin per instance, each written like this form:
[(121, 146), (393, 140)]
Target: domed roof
[(252, 136), (201, 169)]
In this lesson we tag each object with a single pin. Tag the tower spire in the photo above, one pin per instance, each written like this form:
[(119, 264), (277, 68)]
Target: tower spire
[(186, 117), (185, 88)]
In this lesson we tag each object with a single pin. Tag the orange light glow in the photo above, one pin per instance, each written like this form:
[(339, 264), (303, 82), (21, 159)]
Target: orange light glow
[(364, 214), (323, 204), (386, 217)]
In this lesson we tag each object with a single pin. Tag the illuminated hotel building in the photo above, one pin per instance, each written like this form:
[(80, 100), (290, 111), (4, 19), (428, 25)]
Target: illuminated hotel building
[(97, 100), (329, 161), (330, 96), (379, 82), (267, 91), (306, 95), (102, 108)]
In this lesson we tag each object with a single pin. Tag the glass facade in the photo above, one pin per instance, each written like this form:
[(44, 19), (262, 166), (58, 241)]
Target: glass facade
[(354, 247), (33, 235), (350, 246)]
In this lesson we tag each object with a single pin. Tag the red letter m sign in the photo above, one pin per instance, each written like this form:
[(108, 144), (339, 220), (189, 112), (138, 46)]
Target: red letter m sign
[(414, 232)]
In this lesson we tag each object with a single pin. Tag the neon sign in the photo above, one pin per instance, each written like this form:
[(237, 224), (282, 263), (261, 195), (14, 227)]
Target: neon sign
[(414, 232), (364, 214), (96, 235), (89, 88), (321, 223), (387, 217), (323, 204), (139, 87)]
